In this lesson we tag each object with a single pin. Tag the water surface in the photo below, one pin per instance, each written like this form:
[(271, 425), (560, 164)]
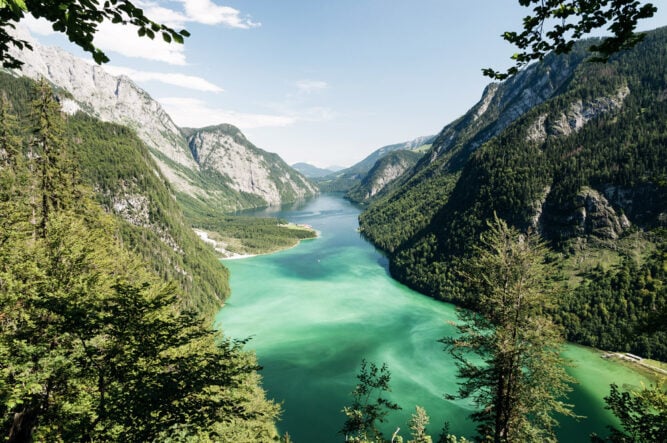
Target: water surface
[(316, 310)]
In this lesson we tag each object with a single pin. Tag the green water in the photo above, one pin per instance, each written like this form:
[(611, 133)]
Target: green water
[(316, 310)]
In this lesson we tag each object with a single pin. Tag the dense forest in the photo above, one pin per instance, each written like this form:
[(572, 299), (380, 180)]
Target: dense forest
[(114, 162), (98, 343), (586, 168)]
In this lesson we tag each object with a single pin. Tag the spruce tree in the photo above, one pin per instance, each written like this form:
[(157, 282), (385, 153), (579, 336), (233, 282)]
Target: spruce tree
[(48, 149), (521, 380)]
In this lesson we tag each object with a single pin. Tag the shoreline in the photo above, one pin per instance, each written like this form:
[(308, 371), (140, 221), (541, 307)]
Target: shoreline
[(636, 363), (236, 256)]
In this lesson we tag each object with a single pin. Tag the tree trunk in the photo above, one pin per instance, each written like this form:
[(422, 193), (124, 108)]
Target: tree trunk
[(22, 426)]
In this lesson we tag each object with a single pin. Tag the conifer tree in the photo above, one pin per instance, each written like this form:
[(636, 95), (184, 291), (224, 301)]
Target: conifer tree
[(94, 347), (418, 423), (49, 150), (521, 381)]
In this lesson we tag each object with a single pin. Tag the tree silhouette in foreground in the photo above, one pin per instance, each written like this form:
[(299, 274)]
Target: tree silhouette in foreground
[(555, 25), (79, 20), (508, 351), (368, 405)]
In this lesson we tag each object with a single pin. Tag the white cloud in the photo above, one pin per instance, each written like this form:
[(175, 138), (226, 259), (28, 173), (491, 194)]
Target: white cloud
[(160, 14), (208, 13), (125, 41), (39, 26), (175, 79), (188, 112), (308, 86)]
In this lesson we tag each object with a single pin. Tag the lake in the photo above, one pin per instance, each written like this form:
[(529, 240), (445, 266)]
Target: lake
[(316, 310)]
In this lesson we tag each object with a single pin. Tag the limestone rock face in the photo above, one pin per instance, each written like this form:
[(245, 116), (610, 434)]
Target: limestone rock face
[(503, 103), (590, 213), (109, 98), (578, 114), (390, 172), (248, 169), (243, 175), (385, 171)]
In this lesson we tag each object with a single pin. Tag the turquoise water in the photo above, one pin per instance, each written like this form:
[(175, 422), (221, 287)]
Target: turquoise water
[(316, 310)]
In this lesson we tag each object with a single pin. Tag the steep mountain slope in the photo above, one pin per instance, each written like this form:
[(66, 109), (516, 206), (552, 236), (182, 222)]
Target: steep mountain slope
[(311, 171), (118, 100), (346, 179), (386, 170), (413, 200), (128, 183), (573, 150), (257, 177)]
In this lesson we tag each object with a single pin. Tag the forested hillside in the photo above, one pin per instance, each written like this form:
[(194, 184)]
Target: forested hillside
[(98, 343), (384, 171), (349, 178), (584, 165), (219, 184), (114, 162)]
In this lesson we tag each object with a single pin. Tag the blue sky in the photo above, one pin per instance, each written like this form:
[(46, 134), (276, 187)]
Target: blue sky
[(321, 81)]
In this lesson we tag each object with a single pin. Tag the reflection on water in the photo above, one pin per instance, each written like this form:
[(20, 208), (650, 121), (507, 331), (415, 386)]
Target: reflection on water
[(316, 310)]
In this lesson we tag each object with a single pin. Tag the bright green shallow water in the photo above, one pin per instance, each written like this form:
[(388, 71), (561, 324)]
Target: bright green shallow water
[(316, 310)]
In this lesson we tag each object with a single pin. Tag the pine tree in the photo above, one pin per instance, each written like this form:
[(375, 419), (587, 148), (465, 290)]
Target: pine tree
[(56, 181), (521, 381), (418, 423), (93, 347)]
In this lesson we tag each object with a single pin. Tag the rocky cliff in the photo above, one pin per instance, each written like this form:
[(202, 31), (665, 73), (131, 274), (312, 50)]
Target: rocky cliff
[(90, 89), (349, 178), (247, 169), (572, 149), (385, 171)]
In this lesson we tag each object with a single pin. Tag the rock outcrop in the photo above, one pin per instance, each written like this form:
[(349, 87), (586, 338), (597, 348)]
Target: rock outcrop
[(385, 171), (90, 89), (346, 180), (578, 114), (590, 214), (224, 150)]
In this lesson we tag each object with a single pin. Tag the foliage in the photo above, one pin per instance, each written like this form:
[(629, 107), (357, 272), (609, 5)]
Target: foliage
[(93, 345), (418, 423), (368, 406), (521, 380), (250, 235), (79, 20), (555, 25), (113, 160), (610, 306), (643, 415), (430, 222)]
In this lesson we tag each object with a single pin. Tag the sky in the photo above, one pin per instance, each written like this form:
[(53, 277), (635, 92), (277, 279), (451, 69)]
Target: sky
[(325, 82)]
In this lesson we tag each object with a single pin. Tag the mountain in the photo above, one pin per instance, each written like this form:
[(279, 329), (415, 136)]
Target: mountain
[(346, 179), (94, 92), (311, 171), (255, 177), (384, 171), (117, 164), (570, 149)]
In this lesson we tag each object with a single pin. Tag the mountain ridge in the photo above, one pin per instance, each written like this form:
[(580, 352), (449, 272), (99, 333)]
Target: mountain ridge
[(119, 100), (582, 162)]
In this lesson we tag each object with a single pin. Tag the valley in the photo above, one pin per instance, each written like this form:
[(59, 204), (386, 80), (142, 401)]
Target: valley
[(510, 270), (321, 307)]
